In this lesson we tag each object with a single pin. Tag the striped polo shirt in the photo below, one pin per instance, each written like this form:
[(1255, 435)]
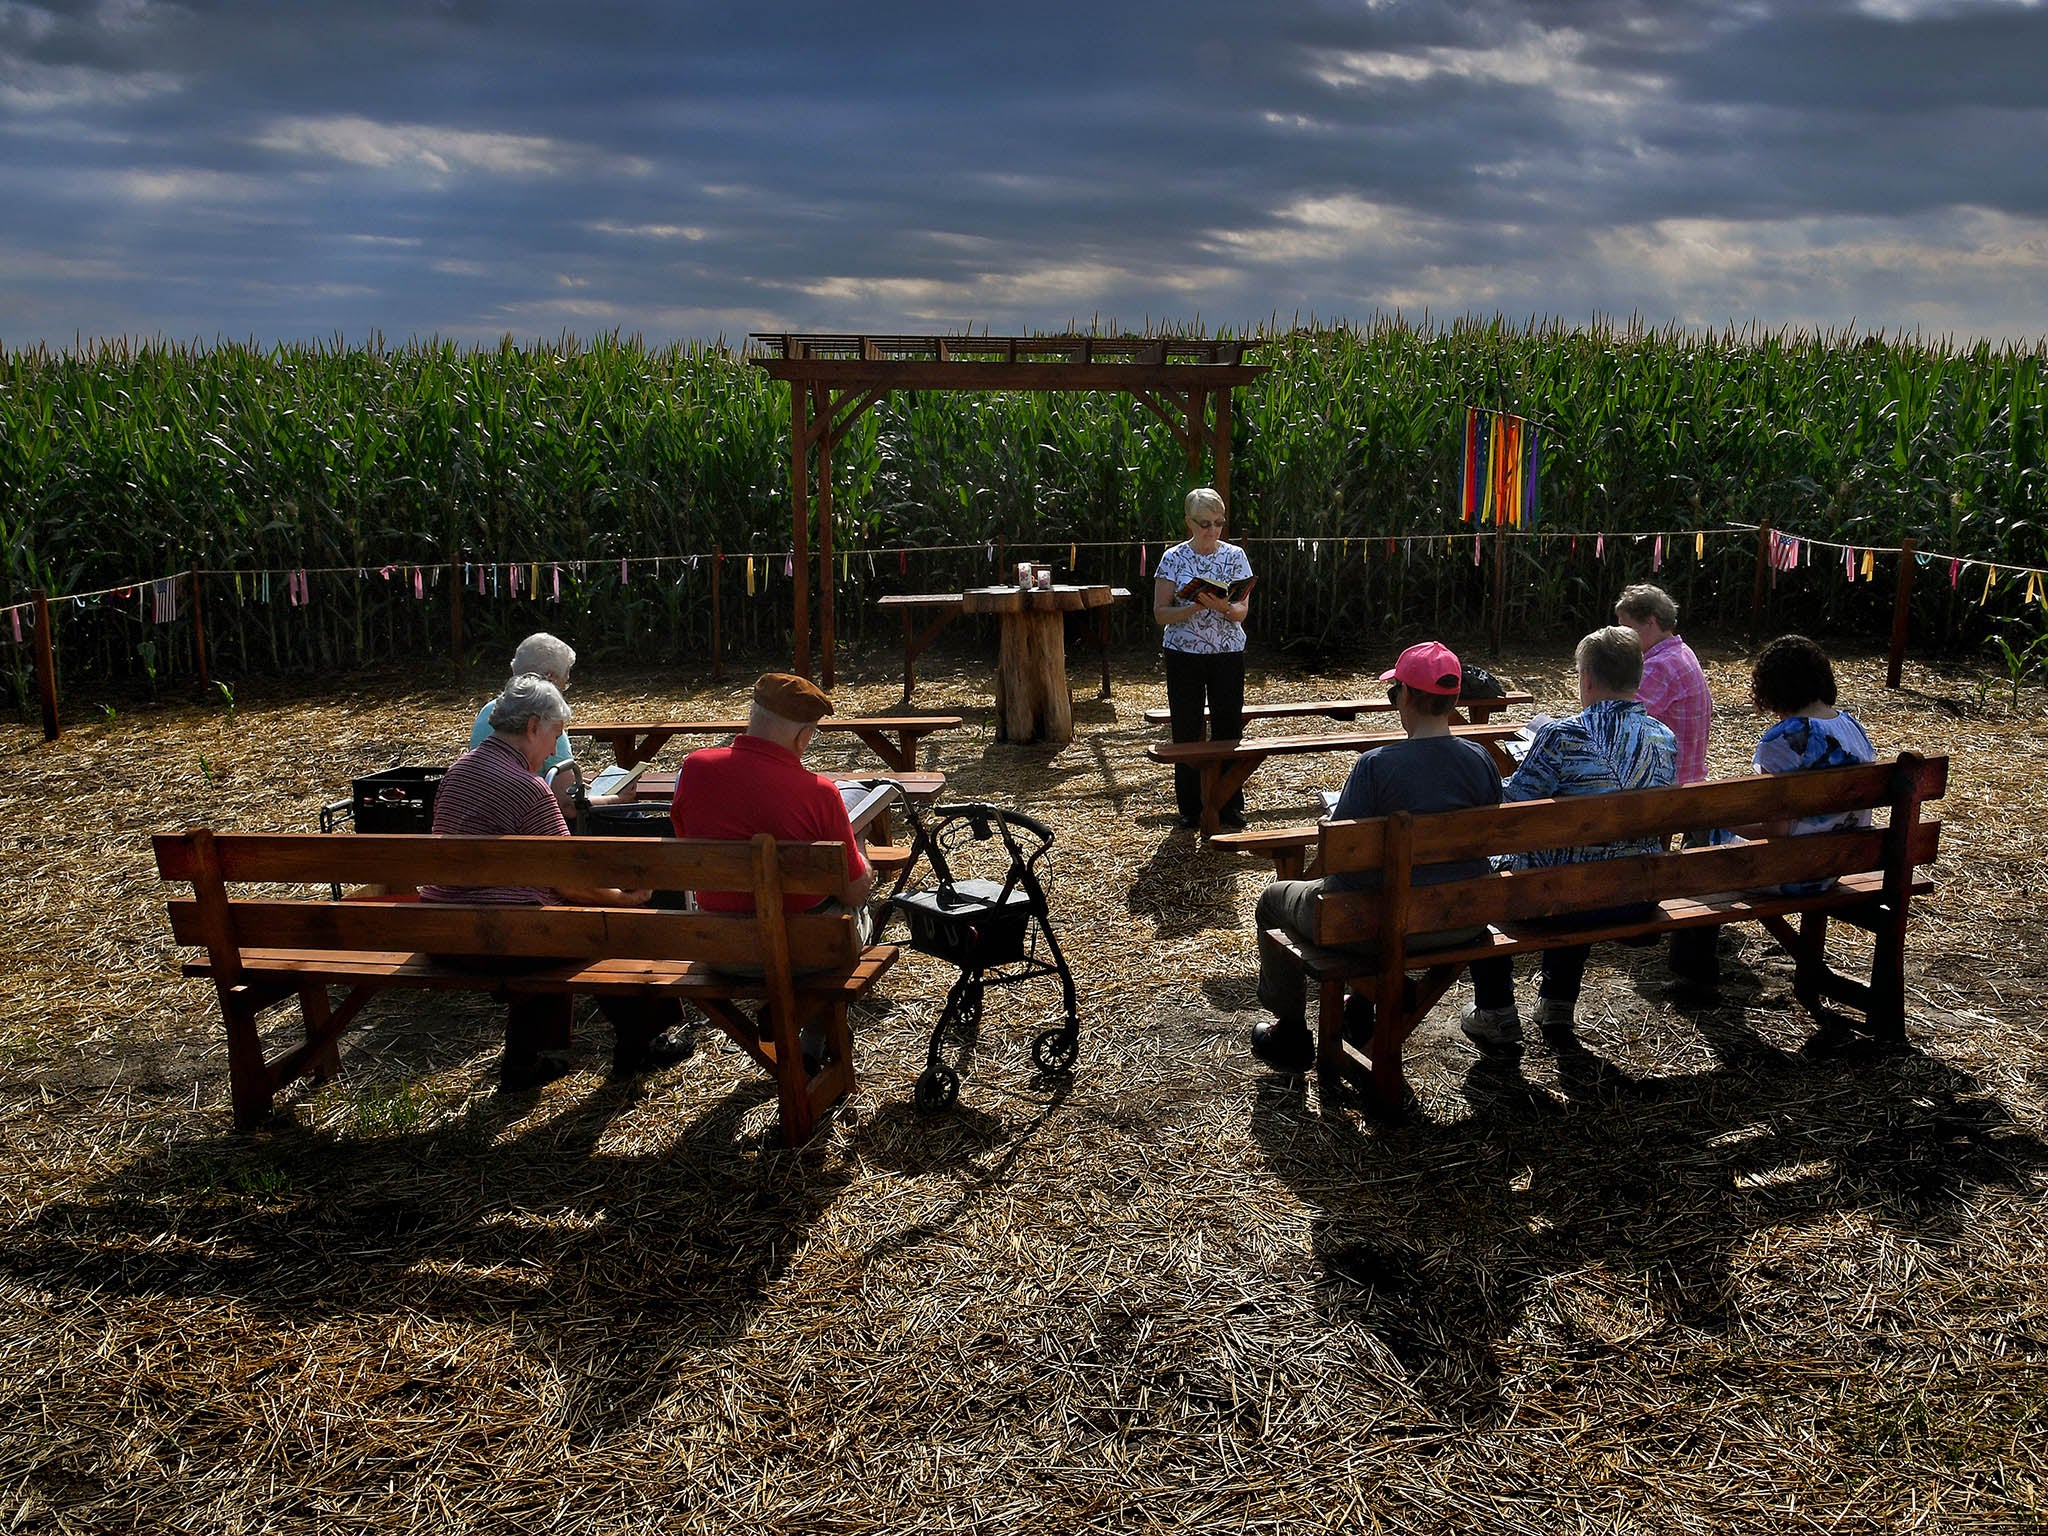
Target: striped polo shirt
[(490, 792)]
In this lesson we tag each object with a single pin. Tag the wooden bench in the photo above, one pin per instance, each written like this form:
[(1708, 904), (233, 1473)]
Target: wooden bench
[(892, 738), (1478, 711), (263, 950), (1875, 870), (1226, 765), (947, 606)]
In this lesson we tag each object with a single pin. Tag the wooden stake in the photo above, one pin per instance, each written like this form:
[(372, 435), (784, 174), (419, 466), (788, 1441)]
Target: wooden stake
[(455, 611), (1756, 592), (199, 633), (1902, 605), (46, 665), (717, 639), (1500, 583)]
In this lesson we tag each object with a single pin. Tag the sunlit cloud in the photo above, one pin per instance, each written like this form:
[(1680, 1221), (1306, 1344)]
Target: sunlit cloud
[(438, 152)]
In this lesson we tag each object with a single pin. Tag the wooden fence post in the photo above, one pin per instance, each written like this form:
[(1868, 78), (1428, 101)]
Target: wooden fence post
[(1500, 583), (1902, 604), (1756, 593), (717, 639), (46, 665), (455, 610), (199, 631)]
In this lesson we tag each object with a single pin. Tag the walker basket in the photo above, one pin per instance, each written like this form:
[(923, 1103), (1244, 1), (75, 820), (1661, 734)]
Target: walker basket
[(972, 925)]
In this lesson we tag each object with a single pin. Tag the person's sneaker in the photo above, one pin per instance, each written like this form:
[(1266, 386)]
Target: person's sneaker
[(1554, 1021), (1285, 1045), (630, 1059), (518, 1074), (1491, 1029), (1232, 820)]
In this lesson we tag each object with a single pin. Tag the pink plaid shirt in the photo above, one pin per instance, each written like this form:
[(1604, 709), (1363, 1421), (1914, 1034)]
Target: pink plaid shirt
[(1674, 690)]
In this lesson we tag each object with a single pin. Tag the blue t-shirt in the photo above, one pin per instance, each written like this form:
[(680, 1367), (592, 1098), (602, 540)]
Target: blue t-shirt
[(482, 729), (1422, 774)]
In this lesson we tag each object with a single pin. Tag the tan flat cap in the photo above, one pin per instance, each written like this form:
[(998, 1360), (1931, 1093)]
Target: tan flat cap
[(792, 697)]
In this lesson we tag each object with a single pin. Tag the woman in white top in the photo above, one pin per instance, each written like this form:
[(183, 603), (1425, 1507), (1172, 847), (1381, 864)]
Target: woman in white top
[(1204, 644)]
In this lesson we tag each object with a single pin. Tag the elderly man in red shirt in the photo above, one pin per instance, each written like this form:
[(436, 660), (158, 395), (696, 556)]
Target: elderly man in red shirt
[(1674, 691), (760, 784)]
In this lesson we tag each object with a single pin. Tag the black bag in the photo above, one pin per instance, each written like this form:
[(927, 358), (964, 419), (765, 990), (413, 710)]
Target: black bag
[(1480, 684)]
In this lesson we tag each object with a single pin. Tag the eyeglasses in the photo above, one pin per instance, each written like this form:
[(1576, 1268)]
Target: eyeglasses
[(1205, 522), (1393, 693)]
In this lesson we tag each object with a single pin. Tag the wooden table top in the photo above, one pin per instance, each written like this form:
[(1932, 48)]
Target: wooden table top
[(1016, 599), (921, 787)]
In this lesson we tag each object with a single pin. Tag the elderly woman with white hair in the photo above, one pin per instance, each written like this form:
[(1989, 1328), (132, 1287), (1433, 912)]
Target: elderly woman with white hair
[(544, 656), (1200, 597)]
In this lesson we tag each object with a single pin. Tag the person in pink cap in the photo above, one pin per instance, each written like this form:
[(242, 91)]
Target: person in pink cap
[(1430, 771)]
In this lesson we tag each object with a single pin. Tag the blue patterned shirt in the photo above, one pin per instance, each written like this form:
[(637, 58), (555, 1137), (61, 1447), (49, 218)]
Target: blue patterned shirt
[(1609, 745)]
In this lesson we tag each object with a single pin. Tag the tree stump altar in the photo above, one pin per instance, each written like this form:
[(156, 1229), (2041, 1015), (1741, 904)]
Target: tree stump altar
[(1032, 702)]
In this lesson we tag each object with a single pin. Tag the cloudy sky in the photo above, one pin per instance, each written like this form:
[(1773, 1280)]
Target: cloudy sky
[(298, 168)]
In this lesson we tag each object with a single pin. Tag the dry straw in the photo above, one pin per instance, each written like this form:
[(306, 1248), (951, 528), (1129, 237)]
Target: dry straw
[(1691, 1279)]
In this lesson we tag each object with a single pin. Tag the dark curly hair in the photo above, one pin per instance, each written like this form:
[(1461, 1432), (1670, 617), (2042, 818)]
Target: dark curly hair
[(1791, 673)]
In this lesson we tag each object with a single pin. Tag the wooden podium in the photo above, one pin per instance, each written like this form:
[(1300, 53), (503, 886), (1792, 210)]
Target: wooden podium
[(1032, 703)]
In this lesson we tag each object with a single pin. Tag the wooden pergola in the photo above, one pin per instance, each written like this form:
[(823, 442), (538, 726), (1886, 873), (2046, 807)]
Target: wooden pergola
[(833, 379)]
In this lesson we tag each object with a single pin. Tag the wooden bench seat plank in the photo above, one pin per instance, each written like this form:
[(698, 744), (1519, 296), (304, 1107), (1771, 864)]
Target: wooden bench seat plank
[(1226, 766), (686, 978), (1479, 710)]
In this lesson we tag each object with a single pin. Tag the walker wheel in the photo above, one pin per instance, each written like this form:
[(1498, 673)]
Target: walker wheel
[(937, 1087), (1054, 1050)]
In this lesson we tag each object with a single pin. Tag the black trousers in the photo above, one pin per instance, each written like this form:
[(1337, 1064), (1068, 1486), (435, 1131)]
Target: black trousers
[(1194, 683)]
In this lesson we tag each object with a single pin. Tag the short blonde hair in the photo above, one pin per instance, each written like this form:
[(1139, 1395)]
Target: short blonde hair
[(1613, 658), (1203, 500)]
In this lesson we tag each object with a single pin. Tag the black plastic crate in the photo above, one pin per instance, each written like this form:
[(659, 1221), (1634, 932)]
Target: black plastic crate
[(396, 799), (647, 818)]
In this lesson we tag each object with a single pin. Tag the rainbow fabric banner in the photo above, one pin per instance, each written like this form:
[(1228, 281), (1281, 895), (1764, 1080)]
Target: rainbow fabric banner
[(1503, 457)]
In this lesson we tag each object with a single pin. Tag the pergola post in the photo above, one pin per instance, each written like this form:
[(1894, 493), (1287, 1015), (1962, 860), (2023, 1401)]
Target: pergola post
[(1219, 447), (824, 408), (799, 521)]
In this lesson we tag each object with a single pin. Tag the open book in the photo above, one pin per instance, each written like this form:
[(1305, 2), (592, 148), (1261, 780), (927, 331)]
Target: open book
[(1229, 594), (1517, 746), (864, 797), (616, 783)]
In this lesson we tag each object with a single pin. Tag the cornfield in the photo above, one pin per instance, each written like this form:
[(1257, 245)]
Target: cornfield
[(120, 461)]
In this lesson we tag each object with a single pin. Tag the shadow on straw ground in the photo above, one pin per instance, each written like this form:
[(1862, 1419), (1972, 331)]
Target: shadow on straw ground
[(1441, 1238)]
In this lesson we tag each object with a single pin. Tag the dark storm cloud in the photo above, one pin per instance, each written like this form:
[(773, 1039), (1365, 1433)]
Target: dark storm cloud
[(471, 169)]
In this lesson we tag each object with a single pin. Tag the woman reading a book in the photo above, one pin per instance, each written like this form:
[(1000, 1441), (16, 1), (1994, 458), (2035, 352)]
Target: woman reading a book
[(1200, 596)]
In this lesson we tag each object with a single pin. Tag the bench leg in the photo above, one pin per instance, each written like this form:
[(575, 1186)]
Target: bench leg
[(1886, 1013), (249, 1079), (322, 1038)]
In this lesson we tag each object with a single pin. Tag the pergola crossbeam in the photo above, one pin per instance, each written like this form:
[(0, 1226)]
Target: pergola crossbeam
[(835, 379)]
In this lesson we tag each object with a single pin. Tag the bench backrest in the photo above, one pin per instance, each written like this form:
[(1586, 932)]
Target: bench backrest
[(1396, 845), (227, 924)]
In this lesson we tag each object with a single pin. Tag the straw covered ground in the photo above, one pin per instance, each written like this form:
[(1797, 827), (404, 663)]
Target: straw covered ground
[(1697, 1279)]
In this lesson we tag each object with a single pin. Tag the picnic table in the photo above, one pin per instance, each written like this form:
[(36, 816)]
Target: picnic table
[(893, 738)]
